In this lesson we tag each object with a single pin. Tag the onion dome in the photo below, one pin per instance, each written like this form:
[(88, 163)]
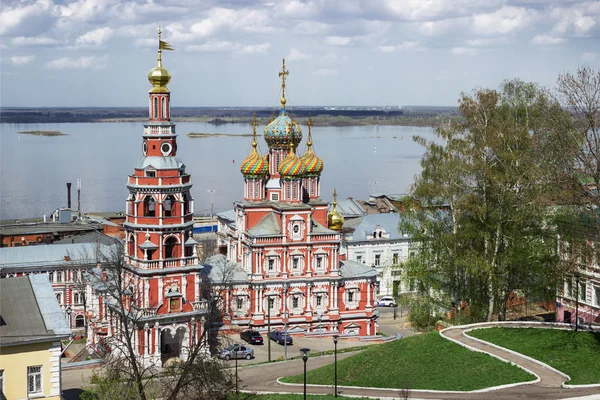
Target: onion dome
[(291, 166), (283, 130), (254, 165), (313, 165), (335, 220), (159, 77)]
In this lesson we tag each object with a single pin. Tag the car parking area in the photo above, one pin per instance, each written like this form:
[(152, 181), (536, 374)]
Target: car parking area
[(314, 343)]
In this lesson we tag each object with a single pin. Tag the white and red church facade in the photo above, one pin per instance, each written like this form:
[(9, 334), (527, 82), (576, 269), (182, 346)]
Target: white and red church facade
[(286, 246), (162, 273)]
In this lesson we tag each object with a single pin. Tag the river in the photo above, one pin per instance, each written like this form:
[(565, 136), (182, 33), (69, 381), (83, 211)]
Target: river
[(34, 169)]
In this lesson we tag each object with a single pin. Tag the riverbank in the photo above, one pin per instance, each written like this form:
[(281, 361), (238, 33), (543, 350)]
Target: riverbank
[(43, 133)]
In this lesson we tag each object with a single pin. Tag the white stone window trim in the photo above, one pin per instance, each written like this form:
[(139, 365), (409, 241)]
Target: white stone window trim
[(34, 375), (350, 304), (243, 298), (275, 265)]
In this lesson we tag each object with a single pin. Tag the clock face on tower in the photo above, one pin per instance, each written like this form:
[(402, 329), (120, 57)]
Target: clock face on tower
[(145, 148), (166, 148)]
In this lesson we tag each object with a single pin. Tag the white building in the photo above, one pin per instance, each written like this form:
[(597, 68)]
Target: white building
[(376, 241)]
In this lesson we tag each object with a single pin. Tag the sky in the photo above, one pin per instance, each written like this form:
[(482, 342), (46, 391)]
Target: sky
[(97, 53)]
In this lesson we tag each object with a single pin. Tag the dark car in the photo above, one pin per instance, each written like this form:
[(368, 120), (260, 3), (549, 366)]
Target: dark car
[(251, 336), (280, 336)]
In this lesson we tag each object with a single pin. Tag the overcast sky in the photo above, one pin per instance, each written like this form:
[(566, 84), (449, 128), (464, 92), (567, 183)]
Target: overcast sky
[(346, 52)]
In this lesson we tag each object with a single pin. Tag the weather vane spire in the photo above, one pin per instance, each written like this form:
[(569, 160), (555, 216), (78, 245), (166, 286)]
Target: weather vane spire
[(254, 126), (283, 75)]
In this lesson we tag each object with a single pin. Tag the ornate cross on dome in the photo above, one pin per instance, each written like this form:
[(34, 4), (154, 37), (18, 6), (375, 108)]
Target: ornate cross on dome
[(254, 126), (283, 75), (309, 123)]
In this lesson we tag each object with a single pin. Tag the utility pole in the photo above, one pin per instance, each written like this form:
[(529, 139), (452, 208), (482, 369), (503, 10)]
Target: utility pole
[(373, 184), (269, 325), (212, 192), (79, 197)]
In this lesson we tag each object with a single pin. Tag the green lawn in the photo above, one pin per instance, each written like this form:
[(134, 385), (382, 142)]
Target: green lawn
[(577, 354), (419, 362)]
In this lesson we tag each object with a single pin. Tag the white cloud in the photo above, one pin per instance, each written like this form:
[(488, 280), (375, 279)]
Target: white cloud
[(22, 60), (464, 51), (147, 42), (214, 46), (256, 48), (33, 41), (12, 17), (589, 56), (578, 20), (505, 20), (338, 40), (333, 58), (95, 38), (311, 28), (404, 46), (246, 20), (486, 42), (297, 55), (326, 72), (545, 39), (83, 62)]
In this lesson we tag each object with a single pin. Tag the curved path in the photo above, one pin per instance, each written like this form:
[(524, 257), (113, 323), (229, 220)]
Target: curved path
[(263, 378)]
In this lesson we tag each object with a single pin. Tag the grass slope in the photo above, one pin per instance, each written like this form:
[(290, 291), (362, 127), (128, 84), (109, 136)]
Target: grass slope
[(419, 362), (247, 396), (577, 354)]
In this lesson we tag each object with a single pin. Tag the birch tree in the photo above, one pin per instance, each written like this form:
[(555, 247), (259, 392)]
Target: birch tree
[(484, 225)]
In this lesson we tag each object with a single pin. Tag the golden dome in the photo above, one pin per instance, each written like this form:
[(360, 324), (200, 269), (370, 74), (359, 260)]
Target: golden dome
[(335, 220), (159, 77)]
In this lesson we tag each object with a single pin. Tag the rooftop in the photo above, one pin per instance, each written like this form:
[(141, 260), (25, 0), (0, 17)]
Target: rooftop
[(29, 312)]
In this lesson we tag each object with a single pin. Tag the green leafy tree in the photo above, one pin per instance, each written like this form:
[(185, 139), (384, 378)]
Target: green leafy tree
[(485, 221)]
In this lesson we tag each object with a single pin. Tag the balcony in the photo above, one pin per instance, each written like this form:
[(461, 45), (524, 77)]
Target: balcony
[(168, 263), (201, 305)]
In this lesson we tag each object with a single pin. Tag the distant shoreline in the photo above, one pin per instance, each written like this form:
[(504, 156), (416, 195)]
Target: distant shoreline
[(202, 135), (43, 133)]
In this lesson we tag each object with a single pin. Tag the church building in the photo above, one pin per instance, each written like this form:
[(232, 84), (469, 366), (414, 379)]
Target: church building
[(285, 245)]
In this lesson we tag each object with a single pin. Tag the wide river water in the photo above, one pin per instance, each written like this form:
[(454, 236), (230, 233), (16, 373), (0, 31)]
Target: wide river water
[(34, 169)]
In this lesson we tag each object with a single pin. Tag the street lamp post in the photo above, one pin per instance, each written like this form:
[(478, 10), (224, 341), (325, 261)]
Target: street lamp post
[(577, 303), (285, 323), (335, 341), (373, 184), (69, 311), (212, 192), (237, 393), (304, 352)]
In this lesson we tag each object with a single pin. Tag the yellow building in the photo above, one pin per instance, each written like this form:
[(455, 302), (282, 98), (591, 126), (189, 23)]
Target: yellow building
[(32, 326)]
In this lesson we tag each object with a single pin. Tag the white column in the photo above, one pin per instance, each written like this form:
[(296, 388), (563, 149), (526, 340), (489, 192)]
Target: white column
[(196, 286)]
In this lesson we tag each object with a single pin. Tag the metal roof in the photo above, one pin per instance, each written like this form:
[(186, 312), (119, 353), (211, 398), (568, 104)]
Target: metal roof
[(267, 226), (229, 214), (159, 162), (55, 255), (353, 269), (29, 311), (349, 208), (219, 270), (389, 222)]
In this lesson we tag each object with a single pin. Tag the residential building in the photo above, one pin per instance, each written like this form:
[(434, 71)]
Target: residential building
[(287, 245), (375, 240), (579, 299), (32, 326)]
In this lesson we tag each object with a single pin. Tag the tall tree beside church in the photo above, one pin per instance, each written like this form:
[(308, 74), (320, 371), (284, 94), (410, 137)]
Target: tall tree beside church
[(497, 235)]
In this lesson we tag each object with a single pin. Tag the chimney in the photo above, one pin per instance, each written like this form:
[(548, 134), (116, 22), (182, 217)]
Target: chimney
[(69, 195)]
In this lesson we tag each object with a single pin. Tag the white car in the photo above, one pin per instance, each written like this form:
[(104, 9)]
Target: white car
[(386, 301)]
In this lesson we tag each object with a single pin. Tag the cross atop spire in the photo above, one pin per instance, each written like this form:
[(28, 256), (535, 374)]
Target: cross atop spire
[(254, 126), (283, 75)]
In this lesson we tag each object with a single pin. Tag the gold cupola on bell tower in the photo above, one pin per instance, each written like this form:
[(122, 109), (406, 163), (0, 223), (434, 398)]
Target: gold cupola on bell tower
[(335, 220), (159, 77)]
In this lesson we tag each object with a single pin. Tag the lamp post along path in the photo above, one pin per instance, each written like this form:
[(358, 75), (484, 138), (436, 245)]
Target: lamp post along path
[(335, 341), (304, 352)]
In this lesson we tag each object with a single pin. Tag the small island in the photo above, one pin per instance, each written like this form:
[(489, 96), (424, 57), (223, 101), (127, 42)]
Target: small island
[(43, 133), (202, 135)]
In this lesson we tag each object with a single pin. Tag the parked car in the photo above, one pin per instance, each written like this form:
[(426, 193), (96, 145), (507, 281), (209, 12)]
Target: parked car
[(237, 351), (251, 336), (281, 337), (386, 301)]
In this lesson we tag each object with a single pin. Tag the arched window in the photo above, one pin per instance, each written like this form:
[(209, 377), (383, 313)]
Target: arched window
[(156, 107), (131, 246), (59, 298), (164, 107), (169, 202), (170, 247), (51, 276), (76, 298), (79, 321), (149, 206), (59, 277), (186, 204)]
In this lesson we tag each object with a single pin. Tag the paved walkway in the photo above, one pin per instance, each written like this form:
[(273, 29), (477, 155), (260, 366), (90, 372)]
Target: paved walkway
[(263, 378)]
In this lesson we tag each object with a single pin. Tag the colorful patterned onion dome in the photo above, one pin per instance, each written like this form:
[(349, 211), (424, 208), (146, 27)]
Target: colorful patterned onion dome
[(291, 166), (283, 130), (313, 165), (254, 165)]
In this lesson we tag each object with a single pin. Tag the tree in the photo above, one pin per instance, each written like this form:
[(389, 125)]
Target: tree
[(499, 233), (197, 375)]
